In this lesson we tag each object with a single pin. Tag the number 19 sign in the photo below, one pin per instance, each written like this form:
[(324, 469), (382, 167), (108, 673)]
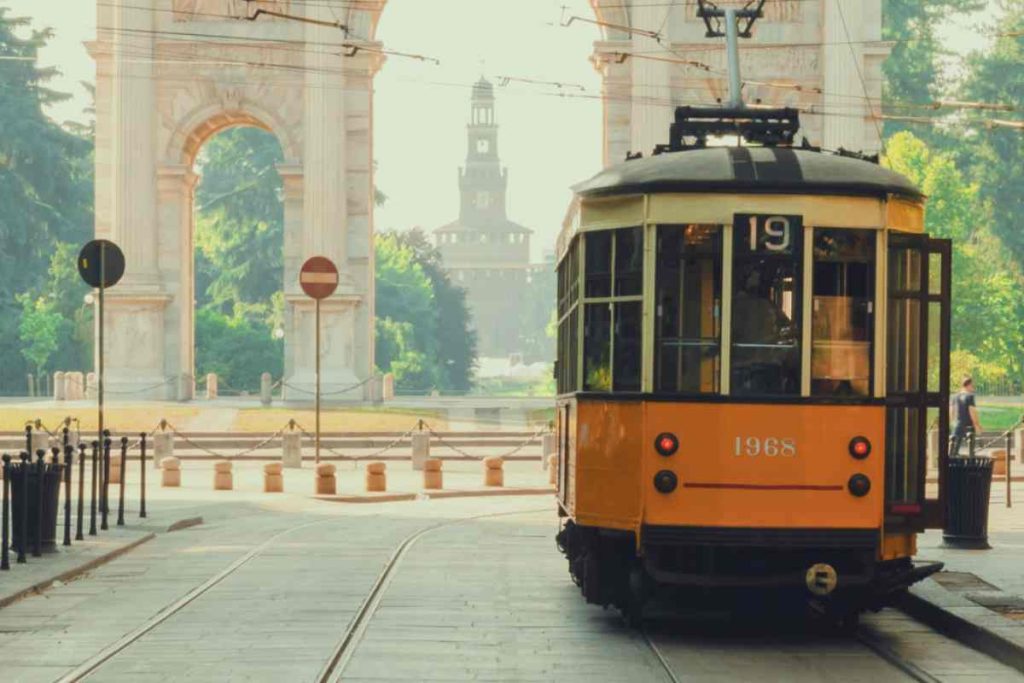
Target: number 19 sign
[(766, 234)]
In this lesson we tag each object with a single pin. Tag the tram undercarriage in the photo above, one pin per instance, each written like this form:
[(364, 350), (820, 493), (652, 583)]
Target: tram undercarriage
[(840, 581)]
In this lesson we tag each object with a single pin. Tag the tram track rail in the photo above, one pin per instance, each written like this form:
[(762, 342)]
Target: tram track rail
[(345, 646)]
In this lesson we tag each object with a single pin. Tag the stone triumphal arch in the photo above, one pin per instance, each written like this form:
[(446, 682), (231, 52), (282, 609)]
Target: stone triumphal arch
[(173, 73)]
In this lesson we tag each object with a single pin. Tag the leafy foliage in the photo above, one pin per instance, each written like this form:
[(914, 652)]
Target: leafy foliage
[(237, 350), (46, 194), (986, 309)]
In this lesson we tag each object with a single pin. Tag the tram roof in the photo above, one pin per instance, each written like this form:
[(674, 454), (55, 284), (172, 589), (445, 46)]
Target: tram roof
[(768, 170)]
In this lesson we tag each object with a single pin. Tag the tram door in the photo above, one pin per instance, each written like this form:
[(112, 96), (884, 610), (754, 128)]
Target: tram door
[(917, 381)]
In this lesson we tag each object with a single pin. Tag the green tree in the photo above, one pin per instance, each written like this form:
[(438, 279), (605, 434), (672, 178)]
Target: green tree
[(240, 223), (912, 70), (45, 190), (985, 305), (455, 338), (238, 350), (996, 157), (39, 329)]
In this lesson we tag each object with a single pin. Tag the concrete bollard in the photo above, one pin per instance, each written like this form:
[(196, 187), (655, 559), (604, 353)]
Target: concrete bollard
[(163, 447), (91, 386), (1018, 444), (222, 477), (273, 478), (211, 386), (69, 386), (494, 475), (420, 449), (115, 465), (932, 451), (77, 386), (326, 481), (547, 447), (266, 386), (59, 390), (291, 449), (170, 472), (998, 456), (376, 477), (31, 380), (553, 469), (433, 478), (388, 387), (40, 440)]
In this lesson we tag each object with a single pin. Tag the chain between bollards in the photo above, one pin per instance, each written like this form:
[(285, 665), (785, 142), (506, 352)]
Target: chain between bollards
[(124, 473), (69, 457), (142, 478), (5, 560), (92, 498)]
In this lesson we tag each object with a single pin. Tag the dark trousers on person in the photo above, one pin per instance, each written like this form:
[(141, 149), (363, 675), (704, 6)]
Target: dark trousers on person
[(957, 440)]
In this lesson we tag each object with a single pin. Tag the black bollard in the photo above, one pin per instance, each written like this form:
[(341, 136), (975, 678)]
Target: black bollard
[(5, 560), (37, 546), (28, 439), (142, 461), (105, 482), (23, 535), (66, 435), (92, 499), (69, 456), (124, 471), (81, 492)]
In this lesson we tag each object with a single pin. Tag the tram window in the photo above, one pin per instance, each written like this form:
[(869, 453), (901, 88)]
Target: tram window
[(903, 361), (905, 270), (903, 437), (688, 295), (627, 346), (568, 315), (597, 327), (843, 312), (629, 262), (765, 353), (599, 264)]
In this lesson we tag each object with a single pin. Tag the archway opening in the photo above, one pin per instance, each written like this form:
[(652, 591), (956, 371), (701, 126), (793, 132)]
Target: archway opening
[(238, 233), (514, 91)]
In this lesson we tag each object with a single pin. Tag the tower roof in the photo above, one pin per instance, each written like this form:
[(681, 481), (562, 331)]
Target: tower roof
[(483, 90)]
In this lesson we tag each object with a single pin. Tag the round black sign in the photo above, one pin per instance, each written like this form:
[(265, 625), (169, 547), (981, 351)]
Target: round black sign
[(101, 263)]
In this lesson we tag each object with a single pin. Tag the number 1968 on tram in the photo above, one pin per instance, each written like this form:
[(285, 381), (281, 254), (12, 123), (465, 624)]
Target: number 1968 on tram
[(752, 352)]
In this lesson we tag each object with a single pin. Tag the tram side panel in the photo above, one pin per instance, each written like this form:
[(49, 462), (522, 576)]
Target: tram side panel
[(764, 466)]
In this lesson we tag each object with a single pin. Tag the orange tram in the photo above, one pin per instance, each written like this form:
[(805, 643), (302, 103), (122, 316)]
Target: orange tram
[(753, 341)]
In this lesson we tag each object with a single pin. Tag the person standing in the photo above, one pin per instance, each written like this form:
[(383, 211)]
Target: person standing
[(963, 414)]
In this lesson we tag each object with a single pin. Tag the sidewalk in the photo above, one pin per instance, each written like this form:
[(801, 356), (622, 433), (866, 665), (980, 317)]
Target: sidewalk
[(979, 596)]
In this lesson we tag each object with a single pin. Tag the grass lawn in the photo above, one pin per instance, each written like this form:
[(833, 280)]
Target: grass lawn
[(338, 420), (118, 419), (999, 417)]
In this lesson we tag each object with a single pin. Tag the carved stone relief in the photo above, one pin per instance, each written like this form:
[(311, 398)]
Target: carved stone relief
[(213, 10), (778, 11)]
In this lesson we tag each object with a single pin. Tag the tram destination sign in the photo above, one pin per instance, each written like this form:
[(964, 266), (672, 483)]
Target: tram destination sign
[(767, 234), (318, 277)]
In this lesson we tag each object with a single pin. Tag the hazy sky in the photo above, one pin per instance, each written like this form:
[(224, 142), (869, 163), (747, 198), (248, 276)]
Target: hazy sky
[(547, 142)]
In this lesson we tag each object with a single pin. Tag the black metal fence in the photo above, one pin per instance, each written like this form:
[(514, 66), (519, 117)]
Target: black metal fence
[(38, 490)]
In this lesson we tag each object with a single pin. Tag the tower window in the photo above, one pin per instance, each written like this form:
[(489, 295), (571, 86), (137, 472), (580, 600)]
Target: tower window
[(482, 146), (483, 200)]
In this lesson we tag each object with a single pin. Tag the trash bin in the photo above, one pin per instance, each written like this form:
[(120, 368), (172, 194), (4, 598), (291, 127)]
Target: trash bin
[(52, 475), (967, 494)]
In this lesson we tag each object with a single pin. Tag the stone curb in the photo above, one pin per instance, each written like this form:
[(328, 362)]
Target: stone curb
[(70, 574), (966, 621), (403, 497)]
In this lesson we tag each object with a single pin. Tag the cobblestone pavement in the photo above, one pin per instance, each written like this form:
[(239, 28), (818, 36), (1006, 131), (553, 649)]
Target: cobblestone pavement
[(486, 598)]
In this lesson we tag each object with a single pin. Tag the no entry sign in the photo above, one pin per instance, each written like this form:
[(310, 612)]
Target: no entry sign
[(318, 277)]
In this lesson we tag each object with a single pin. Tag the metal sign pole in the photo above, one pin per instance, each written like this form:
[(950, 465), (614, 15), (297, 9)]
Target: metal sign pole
[(317, 381), (99, 360)]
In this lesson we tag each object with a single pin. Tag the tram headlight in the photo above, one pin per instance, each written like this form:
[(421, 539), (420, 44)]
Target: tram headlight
[(860, 447), (666, 481), (666, 444), (859, 485)]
